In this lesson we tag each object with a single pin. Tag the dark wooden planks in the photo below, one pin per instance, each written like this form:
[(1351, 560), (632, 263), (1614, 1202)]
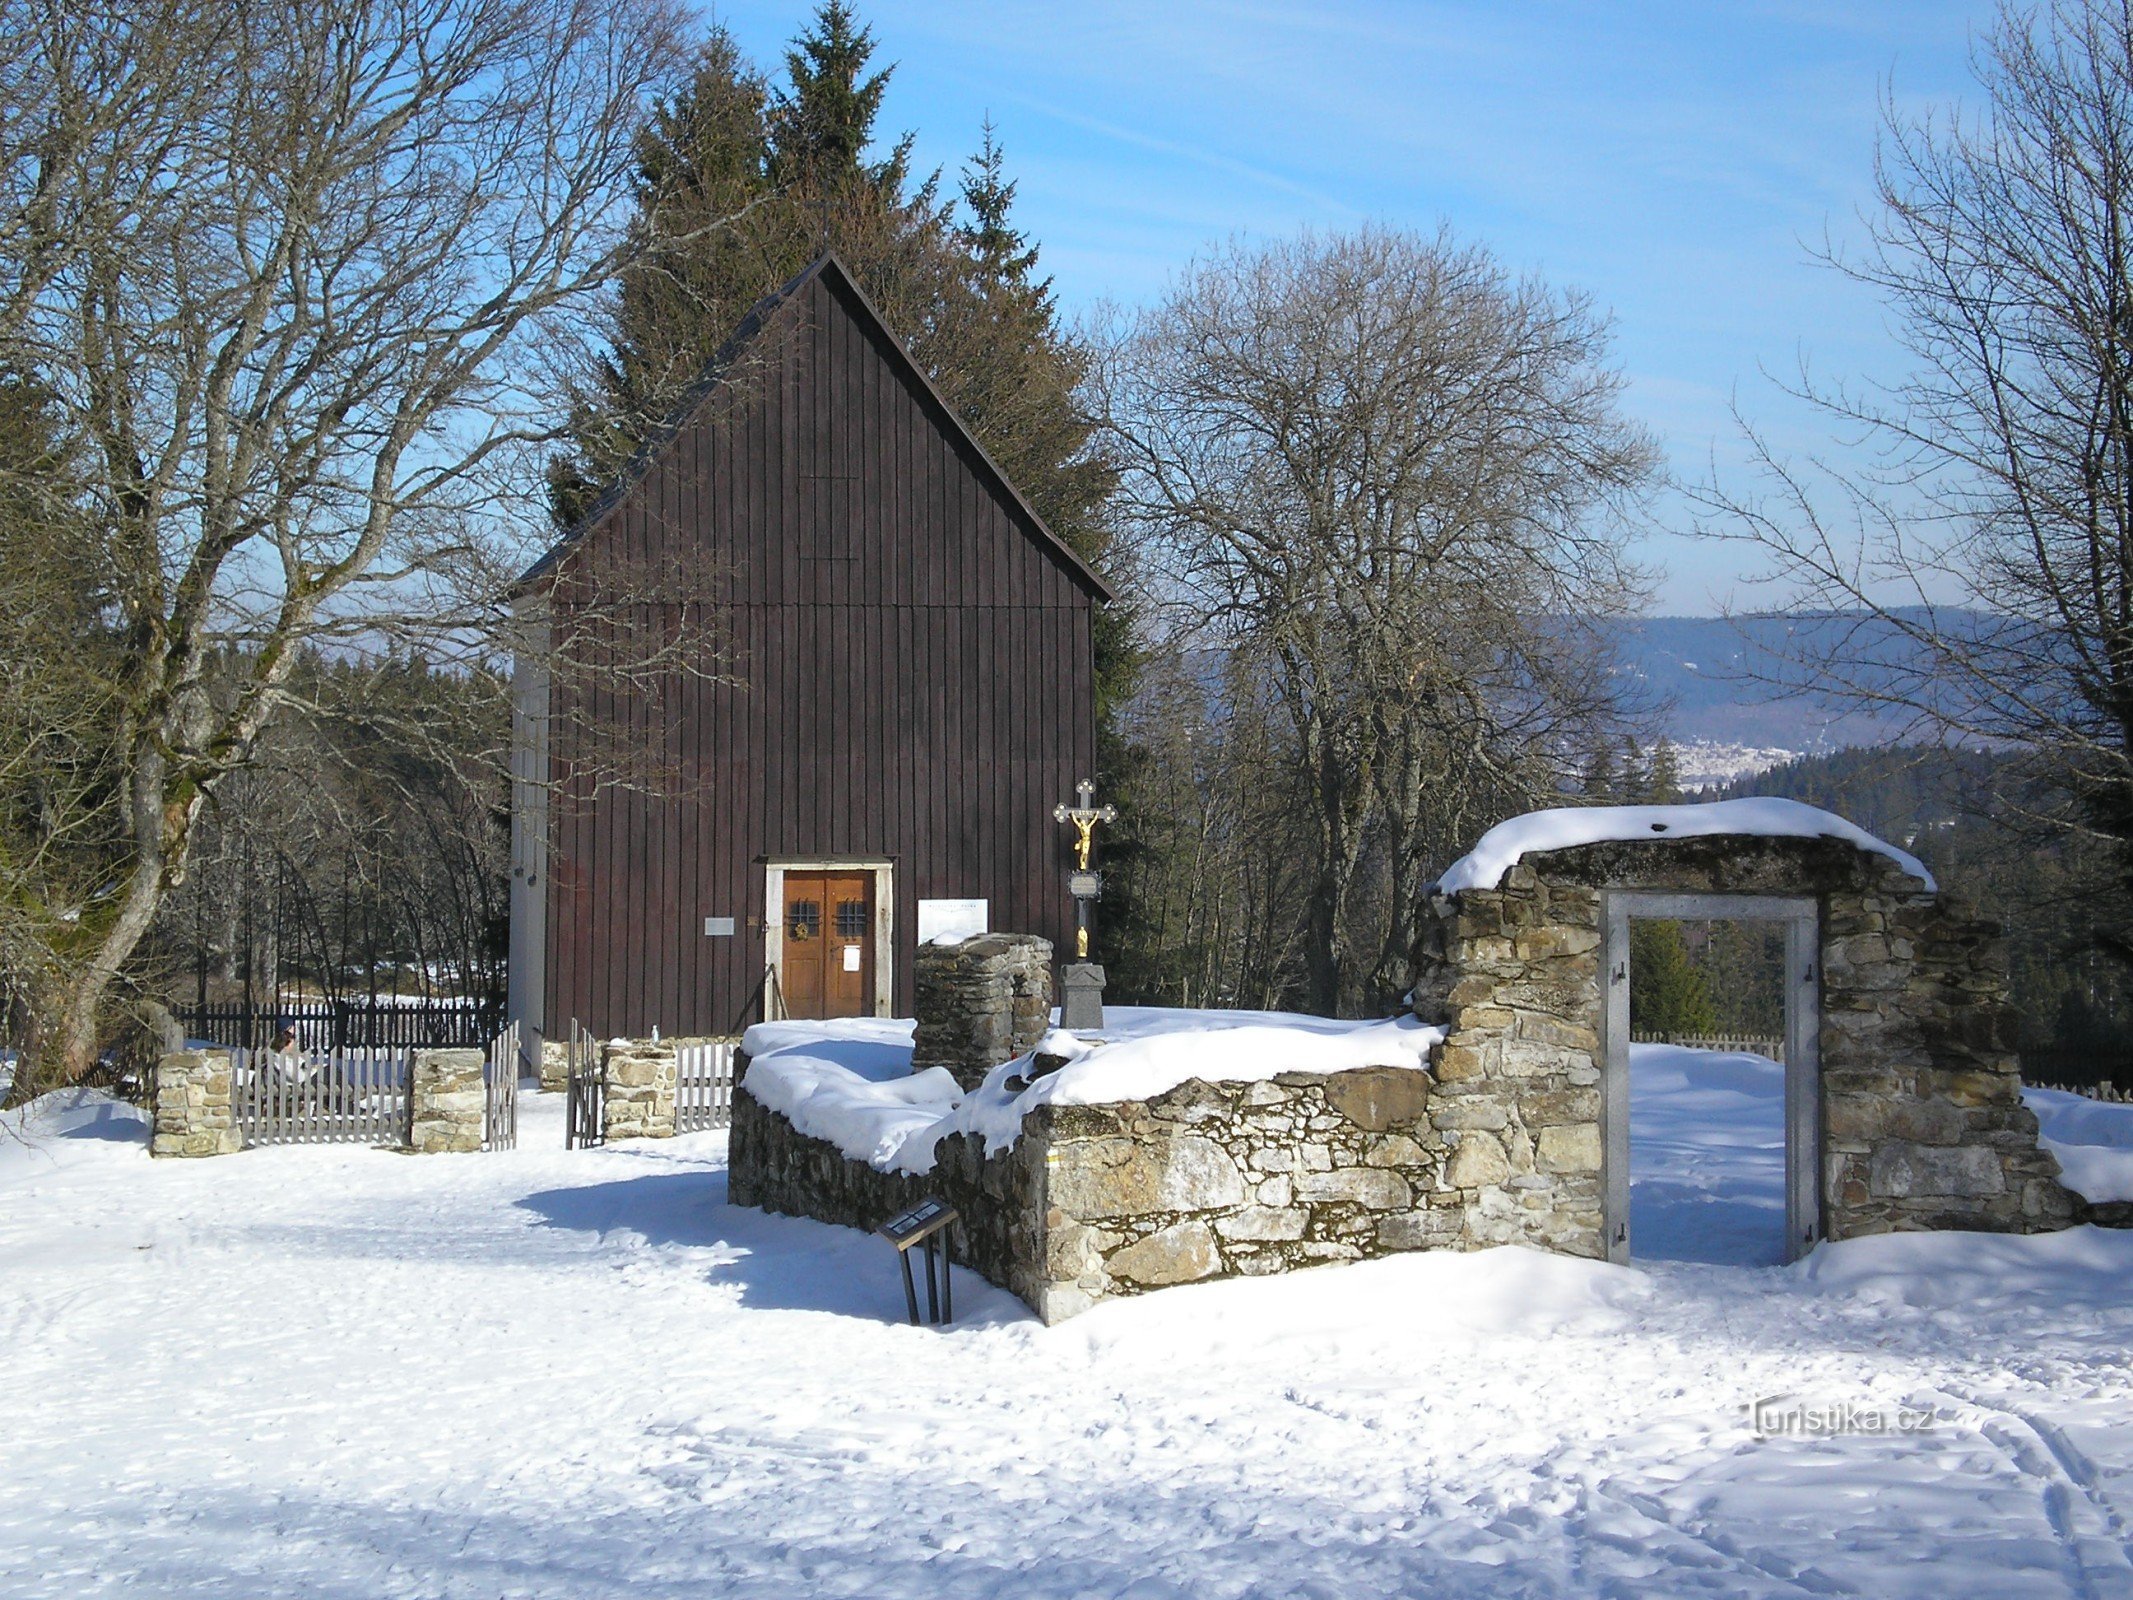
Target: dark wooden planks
[(914, 684)]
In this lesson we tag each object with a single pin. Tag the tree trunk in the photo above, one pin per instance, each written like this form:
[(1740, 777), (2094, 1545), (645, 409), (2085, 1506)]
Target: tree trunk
[(75, 1002)]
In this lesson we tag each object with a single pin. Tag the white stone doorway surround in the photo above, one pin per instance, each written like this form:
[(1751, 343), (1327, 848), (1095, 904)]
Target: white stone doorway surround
[(1802, 918)]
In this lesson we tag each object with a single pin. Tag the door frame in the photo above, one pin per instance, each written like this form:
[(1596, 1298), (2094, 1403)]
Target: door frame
[(1802, 917), (883, 868)]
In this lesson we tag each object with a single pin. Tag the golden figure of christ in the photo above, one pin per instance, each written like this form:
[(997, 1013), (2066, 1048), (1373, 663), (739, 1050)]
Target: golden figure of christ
[(1085, 817)]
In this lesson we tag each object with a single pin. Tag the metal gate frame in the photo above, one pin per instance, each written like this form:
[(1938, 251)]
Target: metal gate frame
[(1802, 917)]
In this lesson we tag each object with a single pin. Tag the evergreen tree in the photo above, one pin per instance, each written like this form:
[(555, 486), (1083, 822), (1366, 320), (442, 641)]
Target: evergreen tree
[(742, 185), (1001, 255), (703, 162), (1667, 994), (824, 123), (1662, 779), (1597, 781)]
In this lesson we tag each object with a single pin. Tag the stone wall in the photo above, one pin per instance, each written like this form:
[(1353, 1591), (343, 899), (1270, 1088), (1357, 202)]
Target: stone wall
[(449, 1099), (1923, 1125), (1207, 1181), (1218, 1180), (193, 1113), (1001, 1236), (980, 1002)]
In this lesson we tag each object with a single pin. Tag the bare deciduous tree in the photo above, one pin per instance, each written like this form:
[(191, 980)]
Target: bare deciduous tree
[(284, 271), (1993, 532), (1391, 483)]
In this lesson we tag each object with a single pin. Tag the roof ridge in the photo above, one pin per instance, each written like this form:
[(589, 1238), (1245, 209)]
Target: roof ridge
[(715, 371)]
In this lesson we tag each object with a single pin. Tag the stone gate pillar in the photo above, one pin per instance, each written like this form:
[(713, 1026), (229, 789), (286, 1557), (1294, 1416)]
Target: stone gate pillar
[(193, 1111), (447, 1099), (980, 1002), (640, 1080)]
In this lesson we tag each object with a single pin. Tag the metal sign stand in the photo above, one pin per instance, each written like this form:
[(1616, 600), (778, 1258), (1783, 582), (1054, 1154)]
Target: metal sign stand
[(926, 1224)]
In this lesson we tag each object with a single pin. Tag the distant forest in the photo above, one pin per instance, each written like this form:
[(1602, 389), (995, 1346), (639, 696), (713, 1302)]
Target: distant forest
[(1963, 813)]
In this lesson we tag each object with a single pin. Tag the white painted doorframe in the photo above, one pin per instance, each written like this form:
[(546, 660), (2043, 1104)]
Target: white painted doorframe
[(1802, 918), (884, 874)]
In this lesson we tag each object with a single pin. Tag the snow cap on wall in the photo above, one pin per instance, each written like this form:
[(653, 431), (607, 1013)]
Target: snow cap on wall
[(1504, 845)]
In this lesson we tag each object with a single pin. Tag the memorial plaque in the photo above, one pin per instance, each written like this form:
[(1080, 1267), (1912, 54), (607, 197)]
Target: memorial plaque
[(953, 919), (908, 1228), (926, 1225), (1085, 885)]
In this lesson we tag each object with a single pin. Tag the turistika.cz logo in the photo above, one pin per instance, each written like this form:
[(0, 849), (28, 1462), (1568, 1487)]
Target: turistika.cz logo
[(1780, 1416)]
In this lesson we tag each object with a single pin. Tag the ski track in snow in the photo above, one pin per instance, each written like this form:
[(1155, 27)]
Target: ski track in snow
[(340, 1372)]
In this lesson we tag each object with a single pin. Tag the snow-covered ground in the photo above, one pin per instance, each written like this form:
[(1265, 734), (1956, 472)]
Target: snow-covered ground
[(345, 1373)]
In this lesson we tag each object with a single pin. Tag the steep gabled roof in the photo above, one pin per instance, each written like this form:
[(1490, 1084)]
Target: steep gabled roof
[(770, 309)]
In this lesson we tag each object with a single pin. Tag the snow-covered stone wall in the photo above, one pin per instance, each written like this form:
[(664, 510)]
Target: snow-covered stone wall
[(1922, 1120), (1206, 1180)]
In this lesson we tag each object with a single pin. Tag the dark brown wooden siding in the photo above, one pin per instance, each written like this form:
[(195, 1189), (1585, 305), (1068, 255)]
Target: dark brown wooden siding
[(915, 682)]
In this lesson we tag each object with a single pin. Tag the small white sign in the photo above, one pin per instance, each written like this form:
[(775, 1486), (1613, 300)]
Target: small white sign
[(953, 919), (718, 927), (851, 958)]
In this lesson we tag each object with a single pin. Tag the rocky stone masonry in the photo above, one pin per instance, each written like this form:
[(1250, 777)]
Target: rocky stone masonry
[(448, 1100), (980, 1002), (1923, 1125), (555, 1066), (193, 1114), (1500, 1142), (640, 1075), (1209, 1180)]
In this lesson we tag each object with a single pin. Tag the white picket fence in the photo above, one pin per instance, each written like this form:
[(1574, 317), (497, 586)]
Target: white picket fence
[(703, 1086), (320, 1097), (499, 1081), (1739, 1044), (356, 1096)]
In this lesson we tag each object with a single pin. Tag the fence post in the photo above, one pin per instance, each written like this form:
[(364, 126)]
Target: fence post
[(447, 1101), (194, 1114)]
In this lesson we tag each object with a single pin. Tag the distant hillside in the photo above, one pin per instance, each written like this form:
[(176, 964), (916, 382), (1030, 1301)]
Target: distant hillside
[(1718, 678)]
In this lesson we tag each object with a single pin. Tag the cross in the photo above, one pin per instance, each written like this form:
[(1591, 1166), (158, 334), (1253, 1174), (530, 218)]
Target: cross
[(1084, 817), (1084, 820)]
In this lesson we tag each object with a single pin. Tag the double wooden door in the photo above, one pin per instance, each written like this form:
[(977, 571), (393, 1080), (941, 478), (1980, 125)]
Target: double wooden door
[(827, 969)]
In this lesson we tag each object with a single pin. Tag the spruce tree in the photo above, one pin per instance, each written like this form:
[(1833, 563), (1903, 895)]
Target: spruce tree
[(1662, 780), (1667, 995), (824, 123), (703, 162)]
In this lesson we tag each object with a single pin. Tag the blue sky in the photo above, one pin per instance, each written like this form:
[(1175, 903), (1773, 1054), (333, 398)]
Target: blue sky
[(1676, 161)]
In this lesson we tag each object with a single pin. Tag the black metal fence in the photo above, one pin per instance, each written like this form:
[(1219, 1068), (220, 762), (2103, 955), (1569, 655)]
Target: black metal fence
[(342, 1025)]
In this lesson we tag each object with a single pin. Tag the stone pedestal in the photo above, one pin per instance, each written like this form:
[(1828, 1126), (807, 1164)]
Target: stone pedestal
[(449, 1099), (980, 1002), (639, 1097), (1081, 1003), (193, 1112)]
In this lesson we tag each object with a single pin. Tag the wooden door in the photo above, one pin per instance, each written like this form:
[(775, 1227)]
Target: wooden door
[(827, 969)]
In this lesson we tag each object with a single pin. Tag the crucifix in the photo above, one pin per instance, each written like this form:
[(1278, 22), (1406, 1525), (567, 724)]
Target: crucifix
[(1083, 884)]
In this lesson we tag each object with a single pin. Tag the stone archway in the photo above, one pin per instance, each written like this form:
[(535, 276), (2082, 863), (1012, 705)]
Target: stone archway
[(1913, 1114)]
